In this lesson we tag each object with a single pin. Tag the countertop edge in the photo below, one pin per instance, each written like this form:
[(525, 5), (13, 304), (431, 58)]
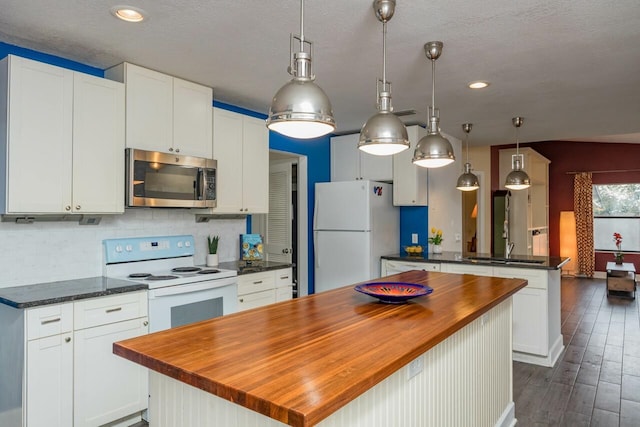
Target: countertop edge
[(549, 263)]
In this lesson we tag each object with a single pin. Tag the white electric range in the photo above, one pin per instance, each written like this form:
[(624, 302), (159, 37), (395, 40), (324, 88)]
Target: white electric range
[(179, 292)]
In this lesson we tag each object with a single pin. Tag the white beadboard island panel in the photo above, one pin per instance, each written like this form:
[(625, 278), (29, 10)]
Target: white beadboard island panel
[(466, 381)]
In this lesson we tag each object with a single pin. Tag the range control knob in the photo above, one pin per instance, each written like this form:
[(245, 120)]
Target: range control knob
[(187, 244), (179, 244), (128, 248), (118, 248)]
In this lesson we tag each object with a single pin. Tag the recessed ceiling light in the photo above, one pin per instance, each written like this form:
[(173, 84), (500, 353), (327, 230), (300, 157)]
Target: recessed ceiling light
[(128, 13), (478, 85)]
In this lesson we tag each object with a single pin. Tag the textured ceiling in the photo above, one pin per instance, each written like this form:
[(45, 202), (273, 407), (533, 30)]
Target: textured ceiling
[(571, 68)]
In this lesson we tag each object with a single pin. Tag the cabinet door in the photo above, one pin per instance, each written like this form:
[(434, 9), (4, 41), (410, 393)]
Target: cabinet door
[(107, 387), (255, 300), (376, 168), (409, 180), (345, 158), (39, 137), (255, 166), (98, 145), (49, 381), (227, 150), (149, 109), (192, 119), (529, 321)]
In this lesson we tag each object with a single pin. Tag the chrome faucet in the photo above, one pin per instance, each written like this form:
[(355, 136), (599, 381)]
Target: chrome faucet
[(508, 248)]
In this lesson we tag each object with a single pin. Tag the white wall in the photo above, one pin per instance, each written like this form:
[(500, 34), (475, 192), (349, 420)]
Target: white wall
[(445, 201), (53, 251)]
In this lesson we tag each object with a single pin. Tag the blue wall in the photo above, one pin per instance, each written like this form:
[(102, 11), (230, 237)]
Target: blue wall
[(6, 49), (414, 219)]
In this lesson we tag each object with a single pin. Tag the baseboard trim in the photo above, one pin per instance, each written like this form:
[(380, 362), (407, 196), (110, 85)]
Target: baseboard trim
[(508, 417)]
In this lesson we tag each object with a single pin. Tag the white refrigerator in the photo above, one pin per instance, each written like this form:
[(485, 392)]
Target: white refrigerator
[(354, 224)]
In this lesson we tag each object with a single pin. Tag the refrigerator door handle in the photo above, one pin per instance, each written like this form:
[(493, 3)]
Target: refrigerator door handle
[(315, 212), (315, 248)]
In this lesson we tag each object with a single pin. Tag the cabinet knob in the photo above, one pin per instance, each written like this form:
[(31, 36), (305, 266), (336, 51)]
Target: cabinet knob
[(67, 208), (171, 149), (78, 207), (177, 150), (145, 323), (241, 209), (246, 209), (67, 339), (241, 299)]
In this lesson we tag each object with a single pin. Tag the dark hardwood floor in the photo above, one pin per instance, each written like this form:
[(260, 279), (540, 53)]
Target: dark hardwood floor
[(596, 381)]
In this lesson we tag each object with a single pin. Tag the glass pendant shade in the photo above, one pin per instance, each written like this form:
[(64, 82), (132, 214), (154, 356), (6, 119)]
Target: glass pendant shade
[(301, 109), (467, 181)]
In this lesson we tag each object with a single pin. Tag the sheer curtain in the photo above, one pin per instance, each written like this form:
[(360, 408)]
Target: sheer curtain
[(583, 208)]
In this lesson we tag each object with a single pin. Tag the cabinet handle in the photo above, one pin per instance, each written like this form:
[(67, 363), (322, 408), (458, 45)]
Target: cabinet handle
[(284, 277), (241, 299), (78, 207), (67, 339), (258, 282), (241, 209), (145, 323), (45, 322), (177, 150), (246, 209), (170, 148), (111, 310), (67, 208)]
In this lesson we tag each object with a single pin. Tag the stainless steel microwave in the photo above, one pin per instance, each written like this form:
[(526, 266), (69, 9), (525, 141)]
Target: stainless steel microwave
[(169, 180)]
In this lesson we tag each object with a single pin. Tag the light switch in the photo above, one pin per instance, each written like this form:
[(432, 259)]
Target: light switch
[(458, 237), (414, 238)]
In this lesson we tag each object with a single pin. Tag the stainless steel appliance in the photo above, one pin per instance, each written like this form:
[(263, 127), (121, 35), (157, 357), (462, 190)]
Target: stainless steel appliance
[(169, 180), (179, 292)]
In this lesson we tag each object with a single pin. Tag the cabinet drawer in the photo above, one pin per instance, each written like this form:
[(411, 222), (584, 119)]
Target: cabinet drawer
[(536, 278), (284, 293), (283, 277), (49, 320), (477, 270), (256, 299), (256, 282), (110, 309)]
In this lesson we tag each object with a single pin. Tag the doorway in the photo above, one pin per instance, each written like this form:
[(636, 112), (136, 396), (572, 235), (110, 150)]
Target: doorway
[(284, 228), (473, 227)]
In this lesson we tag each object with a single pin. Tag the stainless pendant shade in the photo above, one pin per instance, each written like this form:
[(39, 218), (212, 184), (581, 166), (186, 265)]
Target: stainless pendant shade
[(433, 150), (517, 178), (384, 133), (467, 181), (301, 109)]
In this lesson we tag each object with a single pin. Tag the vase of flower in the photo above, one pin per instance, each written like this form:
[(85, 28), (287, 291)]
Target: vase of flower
[(436, 240), (619, 256)]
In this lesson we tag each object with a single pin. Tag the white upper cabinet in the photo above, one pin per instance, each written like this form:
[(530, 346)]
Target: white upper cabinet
[(165, 113), (62, 140), (410, 181), (348, 163), (241, 147)]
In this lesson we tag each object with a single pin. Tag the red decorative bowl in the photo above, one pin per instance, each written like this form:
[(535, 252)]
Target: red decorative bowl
[(394, 292)]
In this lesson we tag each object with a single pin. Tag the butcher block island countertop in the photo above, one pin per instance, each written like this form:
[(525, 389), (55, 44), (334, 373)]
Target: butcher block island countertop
[(300, 361)]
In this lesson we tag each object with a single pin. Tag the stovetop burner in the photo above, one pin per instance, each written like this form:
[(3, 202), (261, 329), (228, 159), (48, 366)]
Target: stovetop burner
[(185, 269), (139, 275), (211, 271), (167, 277)]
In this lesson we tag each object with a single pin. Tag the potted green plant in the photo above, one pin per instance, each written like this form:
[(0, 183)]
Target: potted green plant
[(212, 256)]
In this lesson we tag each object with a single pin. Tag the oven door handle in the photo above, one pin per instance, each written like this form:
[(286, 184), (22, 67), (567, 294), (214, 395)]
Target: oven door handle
[(191, 287)]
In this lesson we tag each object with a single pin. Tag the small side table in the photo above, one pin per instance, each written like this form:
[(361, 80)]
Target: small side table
[(621, 278)]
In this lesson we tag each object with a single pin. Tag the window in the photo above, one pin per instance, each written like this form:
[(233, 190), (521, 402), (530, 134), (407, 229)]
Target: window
[(616, 209)]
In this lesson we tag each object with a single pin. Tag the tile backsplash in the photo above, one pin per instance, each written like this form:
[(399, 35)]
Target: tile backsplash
[(53, 251)]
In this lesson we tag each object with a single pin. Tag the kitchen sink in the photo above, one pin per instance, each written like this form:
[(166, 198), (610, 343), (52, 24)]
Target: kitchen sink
[(503, 260)]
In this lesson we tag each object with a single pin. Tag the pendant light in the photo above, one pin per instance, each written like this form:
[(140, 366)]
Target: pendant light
[(517, 178), (433, 150), (467, 181), (384, 133), (301, 109)]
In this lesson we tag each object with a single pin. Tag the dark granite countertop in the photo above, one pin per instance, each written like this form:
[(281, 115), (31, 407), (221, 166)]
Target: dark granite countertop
[(244, 267), (517, 261), (65, 291)]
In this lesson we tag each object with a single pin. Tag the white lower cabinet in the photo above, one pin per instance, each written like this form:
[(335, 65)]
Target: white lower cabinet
[(70, 375), (49, 381), (389, 267), (529, 315), (267, 287), (477, 270)]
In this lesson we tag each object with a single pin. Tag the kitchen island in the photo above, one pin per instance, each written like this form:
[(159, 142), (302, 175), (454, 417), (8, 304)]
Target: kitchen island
[(537, 337), (341, 358)]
